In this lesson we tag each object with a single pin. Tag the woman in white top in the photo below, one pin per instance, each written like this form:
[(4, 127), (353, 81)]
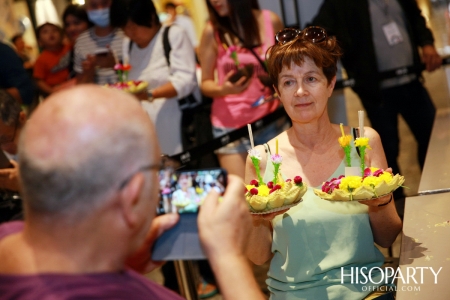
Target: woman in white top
[(145, 53)]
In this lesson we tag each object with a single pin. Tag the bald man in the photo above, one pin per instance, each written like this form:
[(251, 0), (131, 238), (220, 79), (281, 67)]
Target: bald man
[(88, 169)]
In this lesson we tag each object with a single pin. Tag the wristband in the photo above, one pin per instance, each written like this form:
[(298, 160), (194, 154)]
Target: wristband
[(150, 95), (387, 202)]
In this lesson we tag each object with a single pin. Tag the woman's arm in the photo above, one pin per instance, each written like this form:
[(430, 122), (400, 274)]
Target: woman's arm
[(260, 237), (208, 58), (384, 220)]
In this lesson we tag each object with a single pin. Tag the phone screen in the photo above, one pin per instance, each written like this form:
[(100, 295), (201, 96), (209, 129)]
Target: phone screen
[(101, 52), (4, 161), (184, 192)]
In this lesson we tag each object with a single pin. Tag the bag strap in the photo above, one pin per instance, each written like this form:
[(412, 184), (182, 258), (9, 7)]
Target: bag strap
[(166, 44), (251, 50)]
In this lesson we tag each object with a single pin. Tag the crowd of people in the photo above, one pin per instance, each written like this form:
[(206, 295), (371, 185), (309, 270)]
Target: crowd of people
[(61, 131)]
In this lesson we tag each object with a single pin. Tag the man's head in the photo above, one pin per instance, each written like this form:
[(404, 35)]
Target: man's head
[(49, 35), (12, 119), (85, 155)]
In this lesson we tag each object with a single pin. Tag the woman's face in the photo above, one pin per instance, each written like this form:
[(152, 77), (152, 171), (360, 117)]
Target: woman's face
[(73, 27), (221, 7), (304, 91), (184, 181)]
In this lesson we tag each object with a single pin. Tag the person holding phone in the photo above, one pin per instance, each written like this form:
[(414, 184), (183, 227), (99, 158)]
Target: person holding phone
[(238, 31), (99, 48), (89, 220)]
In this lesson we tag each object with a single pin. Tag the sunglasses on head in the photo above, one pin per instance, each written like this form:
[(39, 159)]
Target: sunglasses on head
[(312, 34)]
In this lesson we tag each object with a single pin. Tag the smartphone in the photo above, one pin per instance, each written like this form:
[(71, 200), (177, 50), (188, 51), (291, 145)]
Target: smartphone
[(101, 52), (4, 161), (183, 191)]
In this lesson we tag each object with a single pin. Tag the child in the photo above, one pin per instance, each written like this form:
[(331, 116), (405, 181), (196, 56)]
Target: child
[(51, 69)]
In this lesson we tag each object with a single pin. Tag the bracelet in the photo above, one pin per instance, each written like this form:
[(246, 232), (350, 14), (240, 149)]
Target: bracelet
[(150, 95), (387, 202)]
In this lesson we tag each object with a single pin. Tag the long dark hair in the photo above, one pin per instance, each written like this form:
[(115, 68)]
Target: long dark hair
[(140, 12), (240, 21), (78, 11)]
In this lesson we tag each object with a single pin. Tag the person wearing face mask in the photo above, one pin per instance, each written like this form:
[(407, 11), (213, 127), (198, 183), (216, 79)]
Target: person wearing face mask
[(99, 48)]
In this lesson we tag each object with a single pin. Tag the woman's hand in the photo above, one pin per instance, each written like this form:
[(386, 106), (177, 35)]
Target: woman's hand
[(9, 177), (378, 202), (269, 216), (238, 87)]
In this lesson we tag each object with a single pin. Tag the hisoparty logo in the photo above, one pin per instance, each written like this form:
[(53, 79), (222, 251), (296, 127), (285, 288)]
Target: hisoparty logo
[(387, 276)]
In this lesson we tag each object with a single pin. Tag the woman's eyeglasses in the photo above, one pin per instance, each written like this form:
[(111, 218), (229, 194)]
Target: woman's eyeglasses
[(313, 34)]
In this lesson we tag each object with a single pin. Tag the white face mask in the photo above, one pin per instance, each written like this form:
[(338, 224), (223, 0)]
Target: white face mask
[(99, 17)]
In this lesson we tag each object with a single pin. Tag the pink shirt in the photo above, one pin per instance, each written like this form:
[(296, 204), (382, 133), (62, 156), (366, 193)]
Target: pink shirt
[(234, 111)]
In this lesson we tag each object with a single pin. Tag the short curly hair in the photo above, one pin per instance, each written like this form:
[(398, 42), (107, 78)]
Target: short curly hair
[(325, 55)]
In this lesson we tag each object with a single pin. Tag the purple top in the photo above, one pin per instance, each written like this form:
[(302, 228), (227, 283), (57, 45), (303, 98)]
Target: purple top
[(124, 285)]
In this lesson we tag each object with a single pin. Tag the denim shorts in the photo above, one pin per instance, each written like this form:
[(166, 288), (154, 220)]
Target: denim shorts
[(260, 137)]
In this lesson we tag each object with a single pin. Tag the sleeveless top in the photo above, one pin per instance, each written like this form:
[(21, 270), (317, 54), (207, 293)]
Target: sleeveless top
[(314, 239), (234, 111)]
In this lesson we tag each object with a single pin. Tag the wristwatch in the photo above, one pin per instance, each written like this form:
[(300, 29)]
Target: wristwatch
[(150, 95)]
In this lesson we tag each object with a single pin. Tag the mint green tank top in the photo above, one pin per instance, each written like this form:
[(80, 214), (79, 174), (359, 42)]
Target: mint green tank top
[(314, 239)]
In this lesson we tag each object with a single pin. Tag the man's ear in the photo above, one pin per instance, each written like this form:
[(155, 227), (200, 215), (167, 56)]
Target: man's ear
[(22, 118), (130, 196)]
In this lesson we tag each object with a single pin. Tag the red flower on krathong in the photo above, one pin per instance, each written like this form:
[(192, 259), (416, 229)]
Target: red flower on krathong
[(368, 172), (329, 186), (126, 67)]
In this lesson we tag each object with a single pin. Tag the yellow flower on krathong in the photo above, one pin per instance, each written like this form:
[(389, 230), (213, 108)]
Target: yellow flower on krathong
[(263, 190), (344, 140), (199, 190), (350, 183), (372, 181), (362, 141), (386, 176), (250, 186)]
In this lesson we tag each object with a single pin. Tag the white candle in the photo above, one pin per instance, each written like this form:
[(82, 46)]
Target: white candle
[(116, 58), (361, 123), (251, 135)]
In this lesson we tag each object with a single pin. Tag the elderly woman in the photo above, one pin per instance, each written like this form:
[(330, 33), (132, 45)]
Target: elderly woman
[(309, 243)]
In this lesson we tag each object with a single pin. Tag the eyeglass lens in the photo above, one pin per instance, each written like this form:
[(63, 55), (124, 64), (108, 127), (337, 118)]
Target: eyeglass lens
[(287, 35), (313, 34)]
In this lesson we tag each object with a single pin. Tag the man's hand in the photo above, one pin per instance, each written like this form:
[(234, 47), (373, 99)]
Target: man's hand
[(141, 261), (9, 178), (431, 58), (224, 229), (224, 226)]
